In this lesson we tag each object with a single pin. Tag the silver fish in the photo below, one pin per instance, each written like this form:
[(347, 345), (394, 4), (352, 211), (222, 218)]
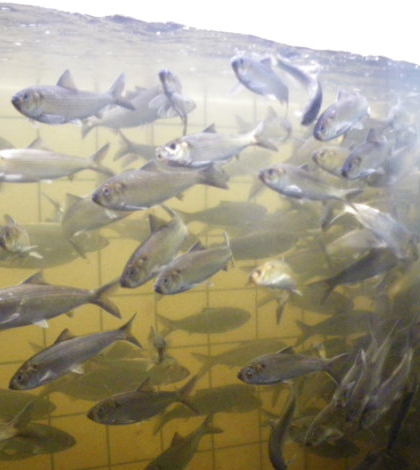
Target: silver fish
[(204, 148), (68, 353), (35, 164), (295, 182), (14, 238), (63, 102), (283, 365), (275, 274), (151, 185), (159, 249), (331, 158), (346, 112), (192, 268), (34, 301), (138, 405), (132, 151), (259, 77)]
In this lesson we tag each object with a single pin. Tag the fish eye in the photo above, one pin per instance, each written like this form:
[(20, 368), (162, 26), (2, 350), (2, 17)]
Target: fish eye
[(26, 97), (132, 271), (172, 145), (249, 373)]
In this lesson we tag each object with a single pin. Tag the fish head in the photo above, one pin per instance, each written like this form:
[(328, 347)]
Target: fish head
[(109, 194), (351, 167), (26, 377), (170, 282), (10, 236), (242, 66), (326, 157), (29, 102), (135, 273), (255, 276), (103, 412), (176, 152), (320, 433), (325, 128), (272, 175), (170, 82), (251, 373)]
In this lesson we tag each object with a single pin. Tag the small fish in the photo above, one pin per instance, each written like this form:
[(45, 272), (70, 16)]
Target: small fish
[(283, 365), (68, 353), (14, 238), (182, 449), (35, 164), (207, 147), (172, 88), (34, 301), (138, 405), (140, 189), (346, 112), (259, 77), (159, 249), (63, 102), (295, 182), (209, 321), (330, 158), (366, 159), (192, 268), (275, 274), (157, 345)]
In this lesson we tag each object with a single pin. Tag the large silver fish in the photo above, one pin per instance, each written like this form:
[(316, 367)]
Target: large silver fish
[(259, 77), (159, 249), (346, 112), (68, 353), (35, 301), (151, 185), (204, 148), (36, 164), (63, 102), (193, 268)]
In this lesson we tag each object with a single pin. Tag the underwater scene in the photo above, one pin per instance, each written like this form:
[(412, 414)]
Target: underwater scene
[(209, 250)]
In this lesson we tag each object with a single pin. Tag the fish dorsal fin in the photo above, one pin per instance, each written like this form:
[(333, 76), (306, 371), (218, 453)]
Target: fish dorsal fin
[(65, 335), (198, 246), (8, 219), (266, 61), (66, 81), (176, 439), (286, 350), (36, 278), (37, 144), (146, 386), (210, 129), (71, 200), (155, 223), (372, 136)]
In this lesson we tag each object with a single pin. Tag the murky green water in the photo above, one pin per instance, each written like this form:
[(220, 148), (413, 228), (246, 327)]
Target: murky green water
[(37, 46)]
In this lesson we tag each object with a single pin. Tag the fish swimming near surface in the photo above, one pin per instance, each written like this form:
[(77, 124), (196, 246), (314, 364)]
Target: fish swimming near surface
[(345, 113), (35, 164), (34, 301), (159, 249), (67, 354), (152, 184), (259, 77), (63, 102), (193, 268), (207, 147)]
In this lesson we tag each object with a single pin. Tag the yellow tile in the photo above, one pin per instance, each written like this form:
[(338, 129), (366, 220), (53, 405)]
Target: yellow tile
[(237, 458)]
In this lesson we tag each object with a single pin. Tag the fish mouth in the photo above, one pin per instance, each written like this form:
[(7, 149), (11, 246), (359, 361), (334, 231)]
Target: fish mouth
[(16, 102)]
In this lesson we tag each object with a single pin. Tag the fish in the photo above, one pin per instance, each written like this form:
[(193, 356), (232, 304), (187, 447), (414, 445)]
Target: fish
[(331, 158), (35, 164), (275, 274), (345, 113), (209, 320), (68, 353), (310, 83), (232, 398), (12, 404), (278, 432), (368, 158), (182, 449), (34, 301), (14, 238), (209, 147), (159, 249), (14, 426), (63, 102), (131, 151), (193, 268), (138, 405), (296, 182), (283, 365), (259, 77), (172, 89), (140, 189), (158, 345)]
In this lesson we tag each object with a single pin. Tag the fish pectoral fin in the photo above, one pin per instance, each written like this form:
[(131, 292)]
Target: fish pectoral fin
[(42, 323), (10, 318), (294, 191), (36, 255), (78, 369)]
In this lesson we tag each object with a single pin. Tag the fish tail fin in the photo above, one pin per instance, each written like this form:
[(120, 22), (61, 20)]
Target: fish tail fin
[(96, 160), (306, 332), (126, 332), (214, 176), (159, 425), (330, 363), (185, 391), (167, 323), (126, 147), (259, 138), (100, 298), (116, 92), (208, 427), (24, 416)]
